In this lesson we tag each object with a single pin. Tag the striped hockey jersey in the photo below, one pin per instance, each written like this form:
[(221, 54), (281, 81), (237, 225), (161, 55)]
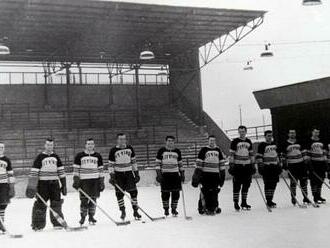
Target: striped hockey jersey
[(241, 151), (6, 171), (315, 150), (88, 166), (122, 159), (293, 152), (267, 153), (210, 159), (169, 160), (47, 167)]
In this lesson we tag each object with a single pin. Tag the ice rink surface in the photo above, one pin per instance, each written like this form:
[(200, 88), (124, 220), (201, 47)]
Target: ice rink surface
[(286, 226)]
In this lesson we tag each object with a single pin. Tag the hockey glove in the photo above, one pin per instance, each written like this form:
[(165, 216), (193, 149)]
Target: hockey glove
[(182, 176), (31, 189), (222, 176), (112, 179), (76, 182), (261, 169), (197, 177), (231, 169), (11, 191), (63, 188), (101, 184), (136, 176), (159, 176)]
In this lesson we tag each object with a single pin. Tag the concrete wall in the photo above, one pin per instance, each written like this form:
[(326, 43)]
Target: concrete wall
[(185, 87), (84, 95)]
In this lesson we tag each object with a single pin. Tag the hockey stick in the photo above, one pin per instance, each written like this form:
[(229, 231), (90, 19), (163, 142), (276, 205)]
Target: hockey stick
[(323, 182), (294, 197), (304, 194), (262, 195), (122, 223), (144, 212), (59, 218), (14, 236), (184, 205)]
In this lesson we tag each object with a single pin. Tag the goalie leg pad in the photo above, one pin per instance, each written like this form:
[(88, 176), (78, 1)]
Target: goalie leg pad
[(38, 215)]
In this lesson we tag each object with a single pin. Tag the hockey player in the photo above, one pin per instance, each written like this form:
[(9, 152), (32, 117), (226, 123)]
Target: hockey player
[(170, 175), (124, 172), (88, 176), (47, 178), (269, 166), (294, 162), (241, 167), (7, 180), (317, 162), (210, 172)]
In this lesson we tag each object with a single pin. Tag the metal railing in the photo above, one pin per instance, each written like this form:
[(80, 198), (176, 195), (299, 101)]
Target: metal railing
[(255, 133), (13, 78)]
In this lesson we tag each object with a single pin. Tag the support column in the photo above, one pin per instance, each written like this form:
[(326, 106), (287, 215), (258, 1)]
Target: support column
[(68, 96), (137, 100)]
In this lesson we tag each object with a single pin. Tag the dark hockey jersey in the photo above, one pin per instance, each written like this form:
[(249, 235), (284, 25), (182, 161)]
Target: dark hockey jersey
[(47, 167), (169, 160), (241, 151), (210, 159), (315, 150), (267, 153), (293, 152), (122, 159), (88, 166), (6, 171)]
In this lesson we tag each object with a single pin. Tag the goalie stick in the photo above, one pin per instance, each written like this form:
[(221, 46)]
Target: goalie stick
[(59, 218), (184, 205), (144, 212), (118, 223)]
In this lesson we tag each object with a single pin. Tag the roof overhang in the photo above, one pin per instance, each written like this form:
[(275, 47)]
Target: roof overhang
[(299, 93), (104, 31)]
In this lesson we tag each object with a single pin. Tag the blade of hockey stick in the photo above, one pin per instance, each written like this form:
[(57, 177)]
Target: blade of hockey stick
[(10, 235)]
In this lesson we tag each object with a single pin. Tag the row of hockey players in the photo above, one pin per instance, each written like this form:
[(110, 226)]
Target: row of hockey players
[(47, 178)]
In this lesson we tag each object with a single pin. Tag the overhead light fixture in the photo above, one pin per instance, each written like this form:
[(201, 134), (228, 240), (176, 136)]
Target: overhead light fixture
[(4, 50), (311, 2), (147, 55), (267, 52), (248, 66)]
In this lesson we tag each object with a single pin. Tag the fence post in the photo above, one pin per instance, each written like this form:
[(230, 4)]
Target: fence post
[(256, 133), (148, 154), (153, 134)]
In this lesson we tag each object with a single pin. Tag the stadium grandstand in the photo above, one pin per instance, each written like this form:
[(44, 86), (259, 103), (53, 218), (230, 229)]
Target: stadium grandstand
[(80, 69)]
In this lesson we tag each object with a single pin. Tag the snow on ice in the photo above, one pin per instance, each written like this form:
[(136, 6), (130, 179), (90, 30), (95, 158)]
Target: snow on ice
[(286, 226)]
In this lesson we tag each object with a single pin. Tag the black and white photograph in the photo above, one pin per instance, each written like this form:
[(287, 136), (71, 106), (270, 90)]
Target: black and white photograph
[(164, 123)]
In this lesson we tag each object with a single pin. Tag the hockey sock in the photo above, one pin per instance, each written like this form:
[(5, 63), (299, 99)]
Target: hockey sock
[(91, 207), (293, 188), (236, 190), (83, 206), (134, 199), (120, 200), (175, 199), (268, 191), (245, 190), (166, 199), (303, 184)]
